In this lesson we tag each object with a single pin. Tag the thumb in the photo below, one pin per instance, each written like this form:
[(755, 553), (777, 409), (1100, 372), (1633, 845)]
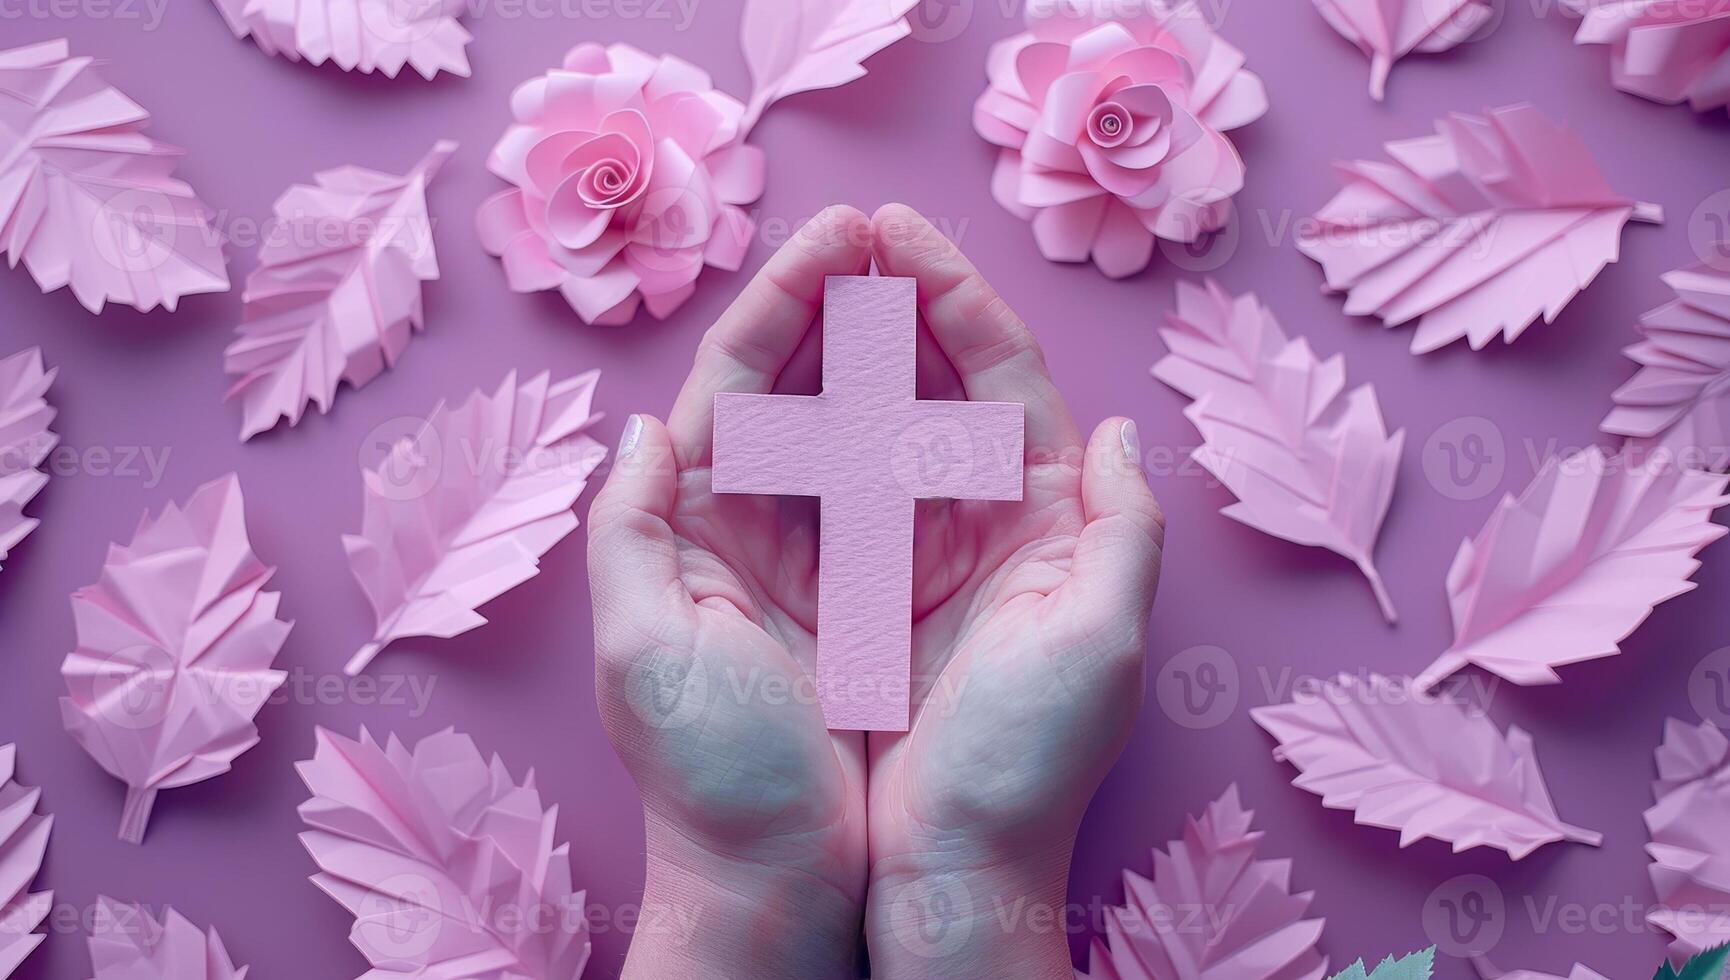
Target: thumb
[(633, 556), (1118, 557)]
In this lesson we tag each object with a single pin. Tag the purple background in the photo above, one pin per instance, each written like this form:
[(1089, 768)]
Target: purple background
[(225, 852)]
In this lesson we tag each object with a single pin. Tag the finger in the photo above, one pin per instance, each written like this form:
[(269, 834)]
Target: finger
[(633, 556), (1118, 557), (747, 347), (994, 353)]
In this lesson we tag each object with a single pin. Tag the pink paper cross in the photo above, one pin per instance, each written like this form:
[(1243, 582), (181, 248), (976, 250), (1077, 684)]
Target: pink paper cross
[(868, 448)]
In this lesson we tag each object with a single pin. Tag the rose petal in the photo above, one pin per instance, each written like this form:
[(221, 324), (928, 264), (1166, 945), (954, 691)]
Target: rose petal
[(1095, 48), (1006, 184), (594, 296), (544, 164), (663, 304), (499, 220), (572, 222), (1123, 247), (1036, 67), (1065, 233), (730, 239), (529, 267)]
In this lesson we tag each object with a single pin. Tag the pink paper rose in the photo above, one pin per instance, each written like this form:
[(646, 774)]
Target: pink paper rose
[(1111, 116), (628, 177)]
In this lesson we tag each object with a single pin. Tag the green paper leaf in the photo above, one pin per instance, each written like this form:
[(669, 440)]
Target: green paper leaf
[(1707, 966), (1417, 966)]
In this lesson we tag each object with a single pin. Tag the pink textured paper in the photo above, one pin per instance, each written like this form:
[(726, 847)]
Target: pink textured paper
[(867, 448)]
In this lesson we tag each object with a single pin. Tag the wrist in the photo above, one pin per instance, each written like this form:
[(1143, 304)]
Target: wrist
[(963, 917), (708, 914)]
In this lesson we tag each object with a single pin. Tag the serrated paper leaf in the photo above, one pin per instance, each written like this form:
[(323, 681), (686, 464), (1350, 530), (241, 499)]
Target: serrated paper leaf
[(1388, 31), (1474, 231), (1660, 50), (1417, 966), (446, 862), (1707, 966), (1419, 764), (1689, 847), (23, 843), (127, 942), (794, 46), (1565, 571), (462, 511), (1240, 920), (175, 646), (358, 35), (1679, 401), (1308, 460), (337, 292), (86, 199), (25, 441)]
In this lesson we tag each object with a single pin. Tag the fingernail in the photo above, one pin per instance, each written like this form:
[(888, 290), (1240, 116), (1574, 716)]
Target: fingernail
[(1131, 442), (633, 435)]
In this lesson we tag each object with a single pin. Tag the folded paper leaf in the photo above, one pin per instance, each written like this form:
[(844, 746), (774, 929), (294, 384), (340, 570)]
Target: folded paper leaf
[(1565, 571), (1690, 851), (1308, 461), (1474, 231), (1387, 32), (1664, 51), (1706, 966), (337, 292), (1417, 966), (128, 943), (23, 843), (1242, 920), (1488, 971), (447, 864), (628, 176), (25, 441), (1679, 401), (1112, 128), (462, 511), (86, 199), (175, 646), (794, 46), (1422, 765), (358, 35)]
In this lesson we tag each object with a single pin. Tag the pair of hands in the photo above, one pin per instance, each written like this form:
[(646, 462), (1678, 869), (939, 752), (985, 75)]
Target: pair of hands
[(775, 845)]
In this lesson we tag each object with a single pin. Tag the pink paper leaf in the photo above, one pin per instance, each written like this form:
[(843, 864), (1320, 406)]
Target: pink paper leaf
[(1473, 231), (1388, 30), (1565, 571), (1488, 971), (1423, 765), (175, 646), (358, 35), (794, 46), (25, 442), (23, 843), (1240, 920), (1663, 51), (629, 176), (447, 864), (1308, 461), (1690, 850), (1679, 401), (86, 199), (461, 512), (128, 943), (337, 294)]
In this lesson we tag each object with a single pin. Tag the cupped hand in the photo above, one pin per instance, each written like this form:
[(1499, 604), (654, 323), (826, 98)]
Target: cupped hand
[(1030, 631), (705, 640)]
